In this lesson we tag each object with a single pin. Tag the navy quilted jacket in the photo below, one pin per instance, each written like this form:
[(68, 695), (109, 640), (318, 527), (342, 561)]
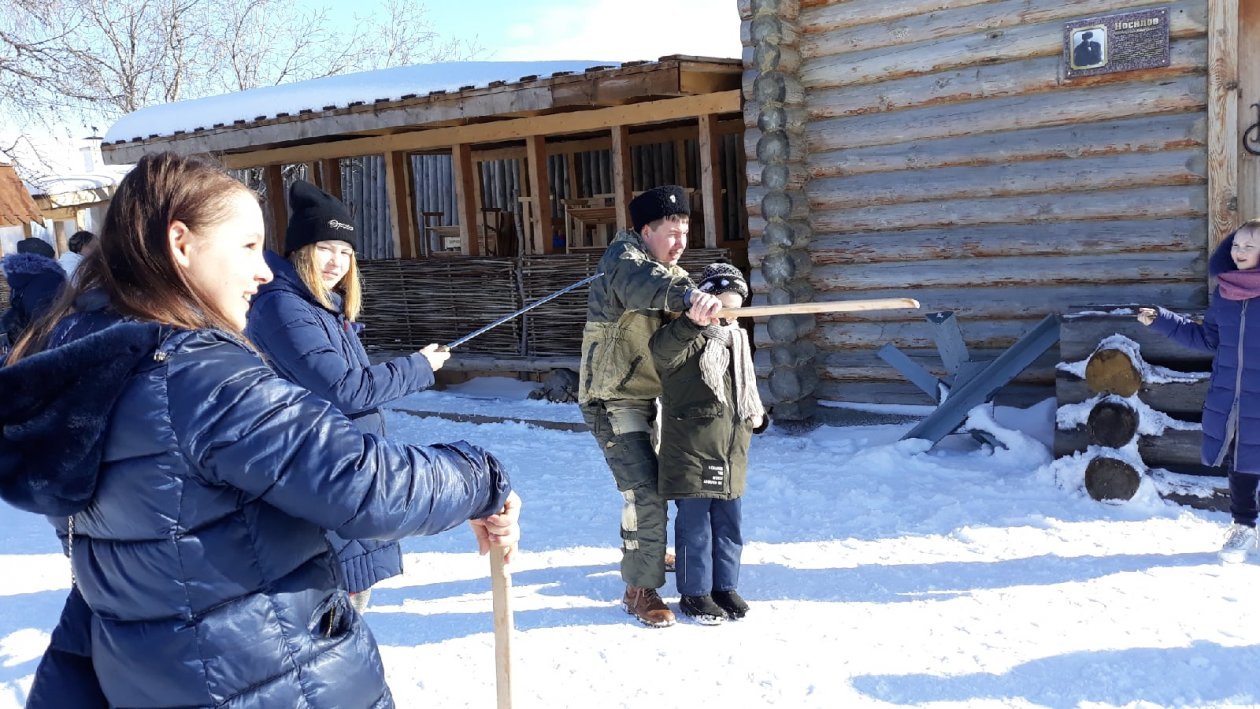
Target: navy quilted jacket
[(200, 484), (1231, 331), (318, 349)]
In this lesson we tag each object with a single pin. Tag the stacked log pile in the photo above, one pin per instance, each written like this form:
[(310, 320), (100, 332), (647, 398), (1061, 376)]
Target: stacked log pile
[(1130, 400), (410, 303)]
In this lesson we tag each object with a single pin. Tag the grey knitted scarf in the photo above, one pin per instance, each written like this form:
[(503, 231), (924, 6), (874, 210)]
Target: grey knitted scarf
[(724, 344)]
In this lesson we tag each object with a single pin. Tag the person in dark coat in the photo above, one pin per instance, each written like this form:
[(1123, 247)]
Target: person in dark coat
[(709, 408), (304, 323), (1231, 410), (35, 280), (192, 485)]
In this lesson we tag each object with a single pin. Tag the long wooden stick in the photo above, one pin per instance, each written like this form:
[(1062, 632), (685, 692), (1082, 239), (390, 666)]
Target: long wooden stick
[(830, 306), (501, 588)]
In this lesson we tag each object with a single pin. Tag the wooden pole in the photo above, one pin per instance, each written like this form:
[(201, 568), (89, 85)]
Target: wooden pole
[(831, 306), (501, 587)]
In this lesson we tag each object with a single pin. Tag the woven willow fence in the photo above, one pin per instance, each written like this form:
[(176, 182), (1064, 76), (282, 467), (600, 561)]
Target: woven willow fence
[(410, 303), (4, 295)]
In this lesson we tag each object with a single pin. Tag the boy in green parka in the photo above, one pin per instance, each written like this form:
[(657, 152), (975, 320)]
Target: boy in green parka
[(710, 406)]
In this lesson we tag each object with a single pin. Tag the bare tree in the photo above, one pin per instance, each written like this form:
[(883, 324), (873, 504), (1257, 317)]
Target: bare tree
[(68, 60)]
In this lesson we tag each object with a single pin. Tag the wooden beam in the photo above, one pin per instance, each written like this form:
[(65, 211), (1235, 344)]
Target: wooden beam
[(539, 193), (711, 181), (466, 198), (1222, 120), (277, 207), (402, 215), (661, 111), (622, 175), (330, 169)]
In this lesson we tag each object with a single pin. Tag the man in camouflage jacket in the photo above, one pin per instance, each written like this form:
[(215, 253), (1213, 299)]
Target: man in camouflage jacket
[(642, 287)]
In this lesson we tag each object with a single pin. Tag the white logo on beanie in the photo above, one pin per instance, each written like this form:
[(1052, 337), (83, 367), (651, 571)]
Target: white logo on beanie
[(673, 199), (334, 224)]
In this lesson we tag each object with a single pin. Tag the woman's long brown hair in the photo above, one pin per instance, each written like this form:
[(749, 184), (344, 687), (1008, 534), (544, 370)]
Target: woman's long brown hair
[(133, 263)]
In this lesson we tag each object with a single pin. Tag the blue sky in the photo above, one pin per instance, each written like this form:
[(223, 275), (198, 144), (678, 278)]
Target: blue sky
[(615, 30)]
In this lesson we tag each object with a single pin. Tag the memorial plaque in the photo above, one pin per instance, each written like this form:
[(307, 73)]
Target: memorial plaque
[(1124, 42)]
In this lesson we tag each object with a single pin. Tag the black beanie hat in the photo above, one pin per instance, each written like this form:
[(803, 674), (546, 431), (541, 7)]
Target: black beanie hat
[(657, 203), (32, 245), (723, 277), (315, 215)]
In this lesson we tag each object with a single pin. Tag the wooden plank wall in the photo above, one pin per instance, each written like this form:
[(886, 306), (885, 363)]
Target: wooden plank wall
[(947, 158)]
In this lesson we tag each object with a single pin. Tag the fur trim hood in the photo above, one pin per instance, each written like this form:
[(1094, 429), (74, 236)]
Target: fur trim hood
[(54, 414)]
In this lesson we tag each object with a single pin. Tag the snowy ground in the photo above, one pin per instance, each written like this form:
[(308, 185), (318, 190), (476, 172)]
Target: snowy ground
[(880, 574)]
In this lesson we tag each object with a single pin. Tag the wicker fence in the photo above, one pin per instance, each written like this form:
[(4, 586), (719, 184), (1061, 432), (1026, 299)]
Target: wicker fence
[(4, 295), (410, 303)]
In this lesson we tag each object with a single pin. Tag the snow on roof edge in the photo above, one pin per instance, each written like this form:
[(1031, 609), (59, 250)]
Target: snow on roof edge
[(339, 91)]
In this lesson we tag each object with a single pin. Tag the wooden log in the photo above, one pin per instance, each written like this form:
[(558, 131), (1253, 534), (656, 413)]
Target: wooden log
[(823, 17), (1111, 424), (1076, 106), (1186, 19), (1174, 167), (1012, 303), (861, 365), (1080, 335), (903, 392), (1108, 237), (1110, 371), (1139, 203), (1182, 400), (1174, 266), (994, 334), (987, 81), (992, 17), (1108, 478), (1144, 134), (1174, 449)]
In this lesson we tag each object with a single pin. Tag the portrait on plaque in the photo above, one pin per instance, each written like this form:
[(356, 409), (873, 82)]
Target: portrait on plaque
[(1089, 47), (1127, 41)]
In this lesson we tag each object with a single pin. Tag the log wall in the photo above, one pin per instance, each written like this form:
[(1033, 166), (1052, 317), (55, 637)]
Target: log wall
[(943, 155)]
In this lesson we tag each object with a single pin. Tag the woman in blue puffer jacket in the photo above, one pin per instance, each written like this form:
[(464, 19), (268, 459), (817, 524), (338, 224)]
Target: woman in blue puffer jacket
[(1231, 410), (303, 322), (193, 485)]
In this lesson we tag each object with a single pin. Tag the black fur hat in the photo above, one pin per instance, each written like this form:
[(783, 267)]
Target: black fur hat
[(657, 203), (315, 215), (32, 245), (722, 277)]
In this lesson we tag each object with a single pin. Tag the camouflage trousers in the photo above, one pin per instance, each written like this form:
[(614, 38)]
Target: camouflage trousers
[(624, 429)]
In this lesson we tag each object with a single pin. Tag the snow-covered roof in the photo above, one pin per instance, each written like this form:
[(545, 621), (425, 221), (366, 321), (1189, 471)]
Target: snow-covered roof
[(406, 99), (109, 176), (331, 92)]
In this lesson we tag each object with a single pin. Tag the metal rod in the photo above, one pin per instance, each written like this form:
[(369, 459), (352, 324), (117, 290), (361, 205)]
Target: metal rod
[(456, 343)]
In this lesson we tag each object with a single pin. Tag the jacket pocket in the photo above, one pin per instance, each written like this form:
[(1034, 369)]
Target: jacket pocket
[(332, 618)]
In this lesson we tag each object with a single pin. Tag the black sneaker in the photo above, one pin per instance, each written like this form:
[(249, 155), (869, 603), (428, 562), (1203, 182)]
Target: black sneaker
[(730, 602), (702, 609)]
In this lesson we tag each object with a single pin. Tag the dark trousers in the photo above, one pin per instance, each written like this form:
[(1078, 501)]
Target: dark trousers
[(707, 543), (1242, 497), (624, 431)]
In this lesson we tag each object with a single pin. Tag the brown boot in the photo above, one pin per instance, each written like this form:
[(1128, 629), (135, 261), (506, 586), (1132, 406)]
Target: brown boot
[(646, 605)]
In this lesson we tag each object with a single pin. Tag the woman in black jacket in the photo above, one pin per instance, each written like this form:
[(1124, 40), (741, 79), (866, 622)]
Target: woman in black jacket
[(193, 486)]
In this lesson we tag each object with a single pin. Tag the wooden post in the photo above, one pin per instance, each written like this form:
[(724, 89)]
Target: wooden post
[(464, 173), (277, 207), (711, 180), (539, 193), (330, 171), (312, 174), (59, 235), (1222, 120), (622, 175), (680, 162), (501, 589), (402, 218)]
